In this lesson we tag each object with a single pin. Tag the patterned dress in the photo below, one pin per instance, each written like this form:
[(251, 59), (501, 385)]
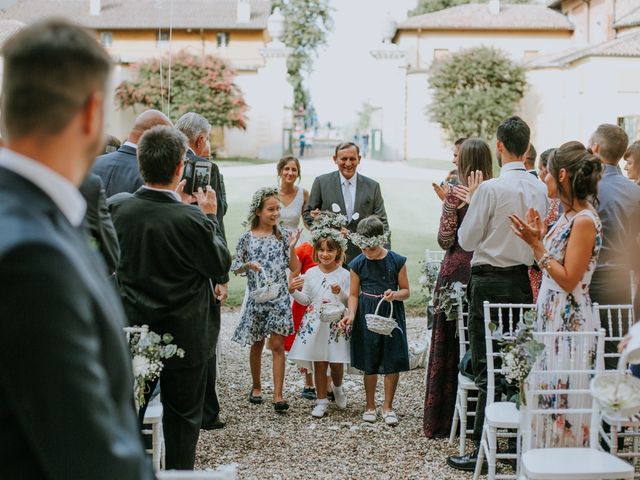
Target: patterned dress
[(565, 311), (319, 341), (442, 370), (259, 320)]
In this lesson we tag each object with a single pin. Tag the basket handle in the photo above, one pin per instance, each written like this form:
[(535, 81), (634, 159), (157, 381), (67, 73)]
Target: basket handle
[(378, 308)]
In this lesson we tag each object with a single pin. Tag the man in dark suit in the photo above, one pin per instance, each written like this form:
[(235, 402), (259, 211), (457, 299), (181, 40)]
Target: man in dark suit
[(66, 405), (98, 222), (347, 192), (119, 170), (171, 251), (197, 129)]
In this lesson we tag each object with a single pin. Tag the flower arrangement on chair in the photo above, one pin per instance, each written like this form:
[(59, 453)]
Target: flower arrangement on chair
[(520, 352), (148, 350)]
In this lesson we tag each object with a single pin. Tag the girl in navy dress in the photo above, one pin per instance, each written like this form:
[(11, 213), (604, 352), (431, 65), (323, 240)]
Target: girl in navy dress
[(377, 273)]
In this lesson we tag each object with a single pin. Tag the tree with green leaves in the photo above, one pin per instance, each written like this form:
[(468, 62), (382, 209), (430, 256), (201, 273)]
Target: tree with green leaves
[(428, 6), (307, 23), (198, 84), (474, 90)]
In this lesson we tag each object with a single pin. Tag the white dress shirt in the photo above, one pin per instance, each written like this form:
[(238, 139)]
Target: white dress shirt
[(61, 191), (486, 229), (131, 144), (351, 188)]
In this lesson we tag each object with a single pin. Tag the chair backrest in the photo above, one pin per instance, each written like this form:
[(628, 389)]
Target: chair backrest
[(434, 256), (463, 328), (559, 410), (505, 317), (616, 320)]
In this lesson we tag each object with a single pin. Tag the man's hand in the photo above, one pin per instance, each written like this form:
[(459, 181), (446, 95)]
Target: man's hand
[(185, 197), (314, 213), (222, 291), (207, 201)]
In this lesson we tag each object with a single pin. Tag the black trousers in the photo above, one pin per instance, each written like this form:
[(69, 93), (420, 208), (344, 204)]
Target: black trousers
[(510, 285), (211, 408), (611, 287), (182, 402)]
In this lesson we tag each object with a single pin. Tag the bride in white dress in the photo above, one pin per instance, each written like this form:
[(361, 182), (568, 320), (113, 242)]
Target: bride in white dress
[(293, 197)]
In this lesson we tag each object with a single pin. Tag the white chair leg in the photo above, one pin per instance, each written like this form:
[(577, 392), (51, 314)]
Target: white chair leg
[(454, 422), (463, 421), (614, 439), (156, 440), (481, 454), (492, 441)]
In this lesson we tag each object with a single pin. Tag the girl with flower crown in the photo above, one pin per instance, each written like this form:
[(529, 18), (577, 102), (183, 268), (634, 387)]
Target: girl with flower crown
[(264, 253), (320, 343), (377, 274)]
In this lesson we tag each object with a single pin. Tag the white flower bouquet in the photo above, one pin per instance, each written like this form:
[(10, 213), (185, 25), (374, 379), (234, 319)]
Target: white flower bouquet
[(148, 350), (617, 393), (520, 352)]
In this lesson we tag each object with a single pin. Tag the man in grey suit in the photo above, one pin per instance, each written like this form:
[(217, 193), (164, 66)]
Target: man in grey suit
[(347, 192), (66, 404)]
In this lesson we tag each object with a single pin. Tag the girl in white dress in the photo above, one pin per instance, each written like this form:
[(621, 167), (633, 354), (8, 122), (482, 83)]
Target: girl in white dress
[(294, 198), (321, 344)]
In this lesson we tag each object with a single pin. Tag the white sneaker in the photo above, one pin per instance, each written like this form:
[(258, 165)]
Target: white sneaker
[(390, 417), (369, 416), (320, 409), (341, 397)]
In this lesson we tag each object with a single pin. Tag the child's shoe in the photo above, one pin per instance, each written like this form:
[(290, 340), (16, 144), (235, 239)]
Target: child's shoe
[(308, 393), (369, 416), (320, 409), (390, 417), (340, 396)]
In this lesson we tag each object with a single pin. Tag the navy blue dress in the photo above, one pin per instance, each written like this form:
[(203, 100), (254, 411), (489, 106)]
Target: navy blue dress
[(371, 352)]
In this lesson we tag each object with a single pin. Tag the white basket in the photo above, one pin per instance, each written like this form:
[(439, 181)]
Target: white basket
[(379, 324), (269, 291), (331, 312), (617, 393)]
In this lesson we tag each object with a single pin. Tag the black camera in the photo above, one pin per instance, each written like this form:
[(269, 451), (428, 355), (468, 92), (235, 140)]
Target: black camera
[(197, 174)]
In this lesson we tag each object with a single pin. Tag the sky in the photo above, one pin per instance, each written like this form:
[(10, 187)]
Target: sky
[(341, 77)]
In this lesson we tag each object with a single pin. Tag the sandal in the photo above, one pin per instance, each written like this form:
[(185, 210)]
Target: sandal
[(281, 406), (390, 417), (370, 416), (255, 399)]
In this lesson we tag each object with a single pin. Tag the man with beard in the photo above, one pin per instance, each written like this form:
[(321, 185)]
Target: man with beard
[(66, 405)]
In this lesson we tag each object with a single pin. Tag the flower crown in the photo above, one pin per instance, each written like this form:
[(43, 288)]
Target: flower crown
[(256, 201), (329, 220), (362, 241), (320, 233)]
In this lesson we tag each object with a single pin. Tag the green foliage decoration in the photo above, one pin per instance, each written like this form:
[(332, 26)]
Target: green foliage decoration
[(199, 84), (307, 23), (474, 90), (428, 6)]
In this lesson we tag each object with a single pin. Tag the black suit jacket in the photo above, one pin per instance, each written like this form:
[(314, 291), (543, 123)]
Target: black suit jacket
[(327, 190), (170, 251), (118, 171), (217, 183), (98, 222), (66, 398)]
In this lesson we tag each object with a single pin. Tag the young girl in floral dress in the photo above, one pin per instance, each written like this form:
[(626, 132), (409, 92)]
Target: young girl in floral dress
[(377, 274), (321, 344), (264, 253)]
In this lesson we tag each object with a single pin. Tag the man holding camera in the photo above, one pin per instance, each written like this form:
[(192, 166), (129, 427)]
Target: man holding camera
[(197, 130), (171, 251)]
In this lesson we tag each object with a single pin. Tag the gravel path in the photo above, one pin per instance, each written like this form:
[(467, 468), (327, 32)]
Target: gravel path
[(265, 445)]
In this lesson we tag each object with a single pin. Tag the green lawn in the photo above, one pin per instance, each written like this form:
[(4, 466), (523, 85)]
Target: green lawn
[(412, 208)]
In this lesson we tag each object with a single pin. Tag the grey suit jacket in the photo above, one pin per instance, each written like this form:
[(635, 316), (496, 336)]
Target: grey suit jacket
[(326, 191)]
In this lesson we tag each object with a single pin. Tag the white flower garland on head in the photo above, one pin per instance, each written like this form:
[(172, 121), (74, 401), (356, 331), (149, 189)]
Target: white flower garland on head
[(361, 241), (329, 220), (256, 201), (325, 232)]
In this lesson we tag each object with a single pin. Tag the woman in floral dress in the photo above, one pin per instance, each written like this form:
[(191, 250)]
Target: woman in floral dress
[(442, 376), (567, 256)]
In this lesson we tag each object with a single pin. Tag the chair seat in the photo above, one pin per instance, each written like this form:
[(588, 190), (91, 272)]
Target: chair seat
[(153, 414), (466, 382), (502, 415), (573, 463)]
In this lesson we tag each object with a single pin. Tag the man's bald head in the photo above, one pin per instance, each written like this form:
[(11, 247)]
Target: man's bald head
[(145, 121)]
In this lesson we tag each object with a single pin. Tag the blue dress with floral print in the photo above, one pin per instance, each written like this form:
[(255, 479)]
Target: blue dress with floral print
[(259, 320)]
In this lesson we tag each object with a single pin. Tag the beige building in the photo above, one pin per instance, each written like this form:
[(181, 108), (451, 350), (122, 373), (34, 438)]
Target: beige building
[(582, 61), (236, 30)]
